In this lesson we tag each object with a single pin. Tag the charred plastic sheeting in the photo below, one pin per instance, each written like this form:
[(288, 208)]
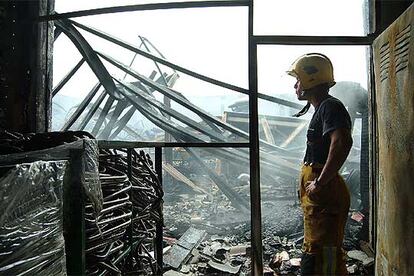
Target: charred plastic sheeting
[(22, 148), (31, 223), (120, 238)]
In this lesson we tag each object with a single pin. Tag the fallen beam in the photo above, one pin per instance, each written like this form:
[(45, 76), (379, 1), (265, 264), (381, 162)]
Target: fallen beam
[(167, 91), (180, 177), (132, 48), (236, 200)]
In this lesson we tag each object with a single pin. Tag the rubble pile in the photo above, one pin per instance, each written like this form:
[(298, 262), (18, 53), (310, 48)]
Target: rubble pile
[(226, 255), (207, 255), (215, 214), (361, 262), (225, 246)]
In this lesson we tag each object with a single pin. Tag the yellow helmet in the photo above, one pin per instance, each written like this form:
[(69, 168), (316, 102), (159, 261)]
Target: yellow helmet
[(312, 69)]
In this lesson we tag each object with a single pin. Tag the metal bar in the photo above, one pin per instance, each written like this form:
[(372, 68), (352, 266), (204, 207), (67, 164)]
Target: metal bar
[(132, 48), (74, 214), (130, 144), (162, 122), (146, 7), (179, 68), (130, 228), (119, 108), (102, 115), (123, 122), (155, 48), (121, 257), (130, 64), (179, 96), (92, 111), (160, 223), (188, 105), (166, 100), (167, 92), (156, 64), (236, 157), (57, 32), (132, 132), (81, 107), (184, 136), (67, 77), (170, 112), (256, 213), (373, 154), (89, 55), (147, 90), (313, 40), (279, 101)]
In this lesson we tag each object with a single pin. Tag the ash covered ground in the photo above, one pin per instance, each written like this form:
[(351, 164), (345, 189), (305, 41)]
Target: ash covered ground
[(222, 243)]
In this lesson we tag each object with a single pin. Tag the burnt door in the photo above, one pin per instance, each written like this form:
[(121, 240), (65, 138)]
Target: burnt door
[(394, 87)]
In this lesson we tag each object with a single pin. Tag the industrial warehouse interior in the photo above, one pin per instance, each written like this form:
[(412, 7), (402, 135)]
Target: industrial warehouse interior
[(157, 137)]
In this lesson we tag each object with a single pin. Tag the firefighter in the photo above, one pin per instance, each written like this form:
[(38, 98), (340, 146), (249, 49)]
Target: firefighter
[(323, 194)]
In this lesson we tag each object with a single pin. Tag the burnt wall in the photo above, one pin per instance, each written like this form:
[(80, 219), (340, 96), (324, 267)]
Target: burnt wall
[(25, 70), (393, 66)]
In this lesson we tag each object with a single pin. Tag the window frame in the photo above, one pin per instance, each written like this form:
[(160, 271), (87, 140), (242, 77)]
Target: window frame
[(253, 42)]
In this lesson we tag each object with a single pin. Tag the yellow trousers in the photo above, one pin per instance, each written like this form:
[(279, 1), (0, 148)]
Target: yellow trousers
[(325, 213)]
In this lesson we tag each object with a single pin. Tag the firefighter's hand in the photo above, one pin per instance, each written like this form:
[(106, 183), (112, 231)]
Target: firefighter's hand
[(311, 187)]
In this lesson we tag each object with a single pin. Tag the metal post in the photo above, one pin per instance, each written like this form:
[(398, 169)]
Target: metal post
[(130, 228), (373, 154), (160, 223), (74, 217), (256, 216)]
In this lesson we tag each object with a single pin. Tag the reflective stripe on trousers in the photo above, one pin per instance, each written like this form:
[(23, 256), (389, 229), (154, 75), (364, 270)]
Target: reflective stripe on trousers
[(324, 213)]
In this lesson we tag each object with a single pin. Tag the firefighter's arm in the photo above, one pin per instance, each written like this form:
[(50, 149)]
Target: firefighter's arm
[(341, 143)]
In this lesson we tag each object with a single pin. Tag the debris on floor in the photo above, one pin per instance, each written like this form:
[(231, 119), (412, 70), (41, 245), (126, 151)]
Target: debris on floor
[(180, 252), (226, 248), (214, 255), (360, 256)]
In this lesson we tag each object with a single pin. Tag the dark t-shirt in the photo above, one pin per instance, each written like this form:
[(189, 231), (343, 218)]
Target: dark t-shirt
[(329, 115)]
